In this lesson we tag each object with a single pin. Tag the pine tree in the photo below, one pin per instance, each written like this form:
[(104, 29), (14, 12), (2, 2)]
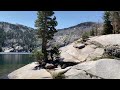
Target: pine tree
[(115, 19), (45, 24), (107, 27)]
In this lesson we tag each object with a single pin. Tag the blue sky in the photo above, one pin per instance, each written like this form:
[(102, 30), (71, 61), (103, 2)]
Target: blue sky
[(65, 18)]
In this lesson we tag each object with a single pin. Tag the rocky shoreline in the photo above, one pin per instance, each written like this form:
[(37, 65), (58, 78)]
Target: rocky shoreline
[(100, 69), (28, 72), (91, 58)]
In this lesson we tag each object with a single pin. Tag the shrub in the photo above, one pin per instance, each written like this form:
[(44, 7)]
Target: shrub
[(92, 32), (57, 76), (38, 55), (54, 52), (85, 36), (112, 51)]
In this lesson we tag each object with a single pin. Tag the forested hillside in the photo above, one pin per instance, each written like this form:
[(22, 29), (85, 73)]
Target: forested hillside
[(14, 35)]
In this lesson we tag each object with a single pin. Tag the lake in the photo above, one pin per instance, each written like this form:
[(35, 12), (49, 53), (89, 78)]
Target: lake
[(12, 61)]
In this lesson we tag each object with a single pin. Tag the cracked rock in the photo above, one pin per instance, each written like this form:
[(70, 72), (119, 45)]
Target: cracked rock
[(100, 69)]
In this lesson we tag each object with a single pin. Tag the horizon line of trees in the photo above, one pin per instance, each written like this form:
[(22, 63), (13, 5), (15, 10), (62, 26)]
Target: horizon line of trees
[(111, 24)]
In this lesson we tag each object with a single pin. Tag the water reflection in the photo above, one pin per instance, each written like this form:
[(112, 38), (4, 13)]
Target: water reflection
[(10, 62)]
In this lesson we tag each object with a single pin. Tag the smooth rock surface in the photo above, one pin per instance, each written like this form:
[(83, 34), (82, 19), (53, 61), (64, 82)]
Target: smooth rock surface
[(96, 54), (72, 54), (68, 53), (27, 72), (100, 69), (105, 40), (94, 48)]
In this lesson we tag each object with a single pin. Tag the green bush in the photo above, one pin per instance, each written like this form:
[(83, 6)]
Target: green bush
[(55, 51), (38, 55), (85, 36)]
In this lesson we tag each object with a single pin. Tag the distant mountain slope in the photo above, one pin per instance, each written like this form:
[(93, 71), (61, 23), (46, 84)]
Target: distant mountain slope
[(8, 26), (16, 34), (26, 37), (68, 35)]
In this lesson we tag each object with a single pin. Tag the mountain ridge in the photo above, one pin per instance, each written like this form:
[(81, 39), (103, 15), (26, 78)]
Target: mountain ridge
[(2, 24), (80, 24), (26, 36)]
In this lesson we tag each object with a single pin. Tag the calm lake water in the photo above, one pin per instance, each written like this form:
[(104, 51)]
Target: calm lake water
[(12, 61)]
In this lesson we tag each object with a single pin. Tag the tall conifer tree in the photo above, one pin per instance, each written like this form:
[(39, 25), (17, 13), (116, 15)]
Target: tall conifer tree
[(45, 24), (107, 28)]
